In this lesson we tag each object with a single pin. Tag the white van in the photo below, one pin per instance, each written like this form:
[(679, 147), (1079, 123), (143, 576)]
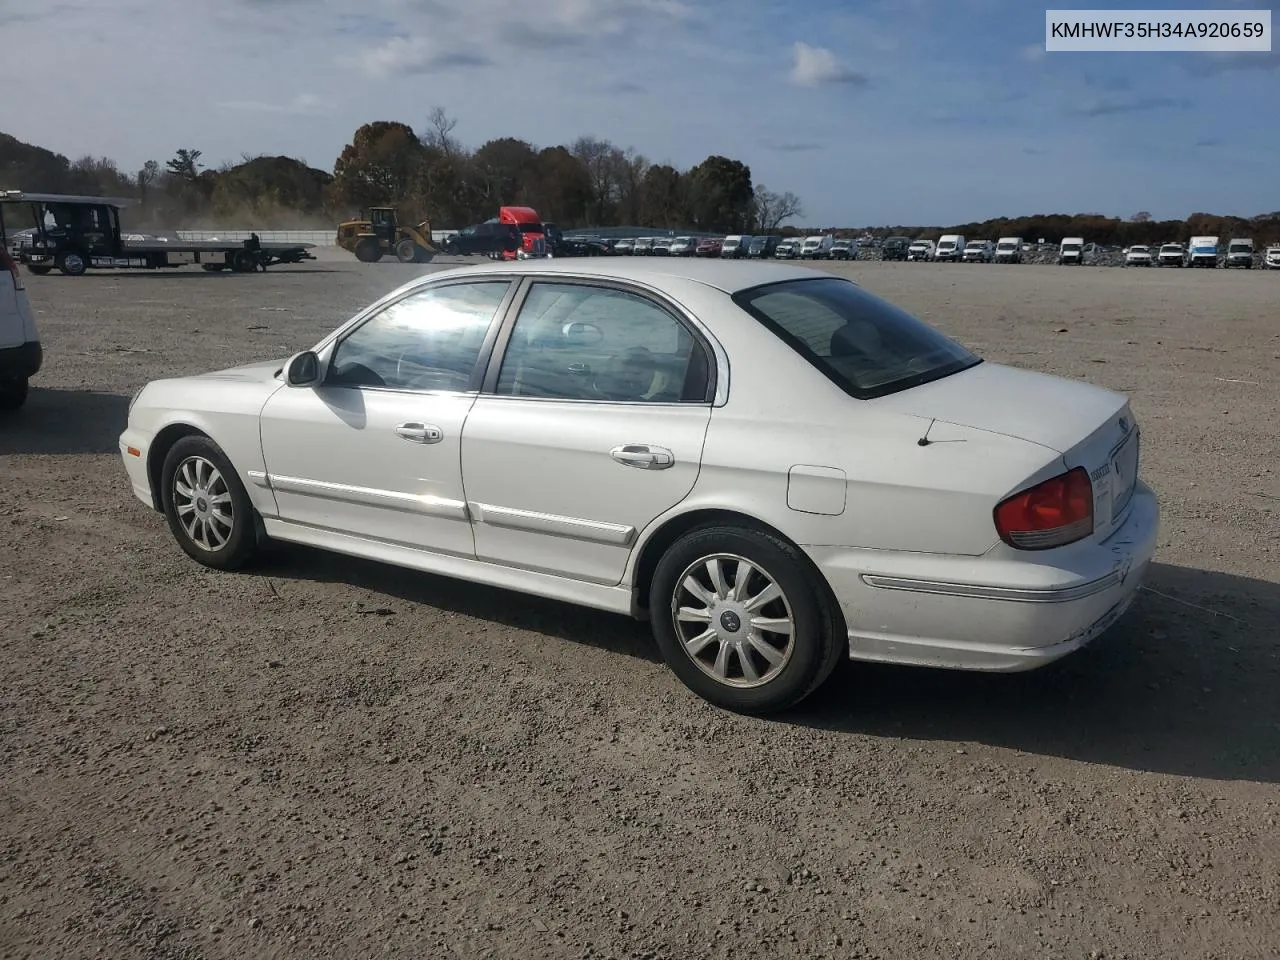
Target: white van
[(1071, 251), (817, 248), (20, 352), (1009, 250), (950, 247), (1240, 253), (734, 246)]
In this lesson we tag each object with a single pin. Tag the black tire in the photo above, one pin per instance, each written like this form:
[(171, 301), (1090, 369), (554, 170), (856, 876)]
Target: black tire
[(39, 270), (816, 646), (407, 251), (184, 461), (368, 251), (73, 263), (13, 393), (242, 261)]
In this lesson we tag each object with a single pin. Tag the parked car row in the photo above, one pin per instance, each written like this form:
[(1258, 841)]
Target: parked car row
[(1202, 252), (503, 238)]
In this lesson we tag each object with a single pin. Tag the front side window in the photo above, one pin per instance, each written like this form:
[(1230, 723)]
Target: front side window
[(866, 346), (584, 342), (429, 340)]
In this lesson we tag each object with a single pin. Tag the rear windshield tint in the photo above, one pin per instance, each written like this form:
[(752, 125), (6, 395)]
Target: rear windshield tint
[(865, 345)]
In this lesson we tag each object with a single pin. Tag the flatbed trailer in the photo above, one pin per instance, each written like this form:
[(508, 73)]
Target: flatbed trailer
[(85, 235)]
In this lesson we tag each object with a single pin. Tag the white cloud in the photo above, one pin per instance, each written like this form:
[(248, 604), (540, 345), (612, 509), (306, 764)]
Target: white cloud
[(433, 35), (818, 66), (304, 104)]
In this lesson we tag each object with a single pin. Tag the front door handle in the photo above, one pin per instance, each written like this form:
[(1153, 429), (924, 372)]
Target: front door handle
[(420, 432), (643, 456)]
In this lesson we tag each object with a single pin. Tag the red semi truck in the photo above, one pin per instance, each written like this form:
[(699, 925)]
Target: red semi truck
[(533, 235)]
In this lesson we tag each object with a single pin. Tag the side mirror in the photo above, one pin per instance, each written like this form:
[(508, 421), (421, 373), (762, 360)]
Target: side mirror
[(303, 369)]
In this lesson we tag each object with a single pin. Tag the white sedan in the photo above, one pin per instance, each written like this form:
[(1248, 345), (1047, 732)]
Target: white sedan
[(774, 467)]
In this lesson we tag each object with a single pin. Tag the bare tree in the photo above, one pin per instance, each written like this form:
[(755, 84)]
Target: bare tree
[(630, 171), (439, 133), (1141, 217), (600, 159), (773, 208), (148, 175)]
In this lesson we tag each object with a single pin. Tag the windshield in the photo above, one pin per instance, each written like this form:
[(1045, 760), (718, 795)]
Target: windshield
[(866, 346), (1242, 246), (1139, 250), (1071, 247), (946, 244), (1006, 245), (919, 246)]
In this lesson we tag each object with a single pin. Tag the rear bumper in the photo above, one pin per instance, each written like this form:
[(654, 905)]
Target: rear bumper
[(942, 611), (23, 361)]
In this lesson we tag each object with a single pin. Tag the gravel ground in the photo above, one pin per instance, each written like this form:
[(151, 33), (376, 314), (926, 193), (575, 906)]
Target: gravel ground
[(325, 757)]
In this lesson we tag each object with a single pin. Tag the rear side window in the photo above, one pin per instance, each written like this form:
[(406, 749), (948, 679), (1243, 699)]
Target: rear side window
[(587, 342), (866, 346)]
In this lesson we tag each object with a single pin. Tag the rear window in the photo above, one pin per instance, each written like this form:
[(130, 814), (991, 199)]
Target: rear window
[(866, 346)]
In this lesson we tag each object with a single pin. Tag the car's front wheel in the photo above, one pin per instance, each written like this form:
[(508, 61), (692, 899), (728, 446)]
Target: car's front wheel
[(740, 620), (208, 509)]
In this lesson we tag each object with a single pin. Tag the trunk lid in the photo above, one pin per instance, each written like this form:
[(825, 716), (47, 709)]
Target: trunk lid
[(1088, 426)]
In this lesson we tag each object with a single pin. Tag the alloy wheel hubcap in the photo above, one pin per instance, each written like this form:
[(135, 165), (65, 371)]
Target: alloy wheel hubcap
[(733, 620), (203, 503)]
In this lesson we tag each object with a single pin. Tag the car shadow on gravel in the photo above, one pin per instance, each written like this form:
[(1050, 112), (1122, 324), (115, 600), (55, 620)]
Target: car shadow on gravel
[(64, 422), (1186, 684), (564, 621)]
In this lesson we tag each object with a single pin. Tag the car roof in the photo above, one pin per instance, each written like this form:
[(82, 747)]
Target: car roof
[(730, 276)]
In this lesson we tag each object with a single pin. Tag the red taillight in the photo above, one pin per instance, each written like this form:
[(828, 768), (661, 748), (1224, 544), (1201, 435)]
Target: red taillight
[(1050, 514), (8, 261)]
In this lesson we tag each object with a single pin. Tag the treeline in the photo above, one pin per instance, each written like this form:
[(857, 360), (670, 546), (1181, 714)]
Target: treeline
[(430, 174), (1110, 231), (590, 182), (267, 192), (427, 174)]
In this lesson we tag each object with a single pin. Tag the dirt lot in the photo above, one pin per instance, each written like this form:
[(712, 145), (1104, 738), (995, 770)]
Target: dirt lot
[(329, 758)]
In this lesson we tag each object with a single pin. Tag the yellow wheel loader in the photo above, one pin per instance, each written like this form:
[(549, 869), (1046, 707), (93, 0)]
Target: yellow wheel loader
[(372, 239)]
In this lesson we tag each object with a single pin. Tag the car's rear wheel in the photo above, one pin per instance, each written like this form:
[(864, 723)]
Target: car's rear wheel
[(208, 509), (740, 620)]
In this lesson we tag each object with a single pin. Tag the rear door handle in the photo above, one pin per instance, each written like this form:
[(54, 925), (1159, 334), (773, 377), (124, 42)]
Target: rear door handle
[(420, 432), (643, 456)]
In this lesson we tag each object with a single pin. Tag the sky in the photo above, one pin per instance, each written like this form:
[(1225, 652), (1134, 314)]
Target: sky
[(913, 112)]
